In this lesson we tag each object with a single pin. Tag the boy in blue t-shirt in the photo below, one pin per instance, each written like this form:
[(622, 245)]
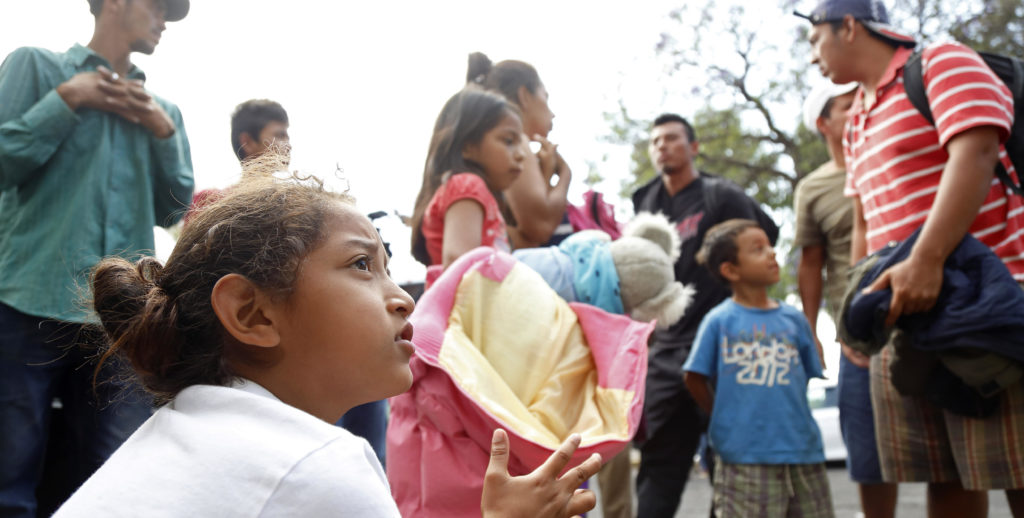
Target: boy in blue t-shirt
[(757, 354)]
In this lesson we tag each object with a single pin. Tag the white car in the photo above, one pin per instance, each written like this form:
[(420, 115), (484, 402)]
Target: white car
[(823, 399)]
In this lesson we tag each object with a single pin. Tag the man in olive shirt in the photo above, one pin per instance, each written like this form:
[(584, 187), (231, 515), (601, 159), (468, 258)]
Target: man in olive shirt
[(824, 226), (89, 163), (824, 217)]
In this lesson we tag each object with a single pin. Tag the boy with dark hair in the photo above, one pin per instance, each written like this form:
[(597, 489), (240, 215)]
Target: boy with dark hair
[(758, 354), (257, 125)]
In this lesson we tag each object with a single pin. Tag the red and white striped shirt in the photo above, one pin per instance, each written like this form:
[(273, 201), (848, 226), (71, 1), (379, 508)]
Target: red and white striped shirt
[(895, 158)]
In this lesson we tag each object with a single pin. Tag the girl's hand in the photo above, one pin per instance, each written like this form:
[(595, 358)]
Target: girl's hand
[(541, 494), (548, 157)]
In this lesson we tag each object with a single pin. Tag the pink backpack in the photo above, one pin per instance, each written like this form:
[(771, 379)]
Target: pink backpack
[(595, 213)]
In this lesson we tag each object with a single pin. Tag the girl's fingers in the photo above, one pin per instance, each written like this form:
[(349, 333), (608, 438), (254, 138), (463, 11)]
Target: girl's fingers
[(498, 465), (557, 461), (586, 469), (580, 502)]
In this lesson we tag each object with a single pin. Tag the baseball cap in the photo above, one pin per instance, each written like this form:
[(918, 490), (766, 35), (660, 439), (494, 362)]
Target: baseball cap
[(819, 96), (871, 13), (176, 9)]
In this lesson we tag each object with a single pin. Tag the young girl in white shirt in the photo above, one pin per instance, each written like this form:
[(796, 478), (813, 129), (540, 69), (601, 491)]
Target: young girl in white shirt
[(273, 316)]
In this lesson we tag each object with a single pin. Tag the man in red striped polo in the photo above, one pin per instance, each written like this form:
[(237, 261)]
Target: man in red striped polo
[(904, 174)]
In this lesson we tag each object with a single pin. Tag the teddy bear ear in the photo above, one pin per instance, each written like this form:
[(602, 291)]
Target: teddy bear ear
[(655, 228), (667, 307)]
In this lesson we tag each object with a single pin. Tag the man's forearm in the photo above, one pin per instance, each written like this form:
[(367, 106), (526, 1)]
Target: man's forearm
[(29, 139), (809, 283), (966, 181), (858, 240)]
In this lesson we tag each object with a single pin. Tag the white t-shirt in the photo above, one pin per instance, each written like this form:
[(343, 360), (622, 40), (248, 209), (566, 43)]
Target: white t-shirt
[(235, 451)]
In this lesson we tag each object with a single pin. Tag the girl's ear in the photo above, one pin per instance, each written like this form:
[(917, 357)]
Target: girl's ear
[(470, 152), (244, 311), (729, 271)]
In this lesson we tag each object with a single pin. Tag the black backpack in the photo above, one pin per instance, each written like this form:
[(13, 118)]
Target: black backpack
[(713, 187), (1011, 71)]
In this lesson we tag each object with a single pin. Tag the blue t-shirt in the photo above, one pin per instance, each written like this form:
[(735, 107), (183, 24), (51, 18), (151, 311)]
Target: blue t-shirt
[(760, 361)]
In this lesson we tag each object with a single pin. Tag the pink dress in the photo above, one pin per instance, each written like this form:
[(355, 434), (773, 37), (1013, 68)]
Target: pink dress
[(459, 187)]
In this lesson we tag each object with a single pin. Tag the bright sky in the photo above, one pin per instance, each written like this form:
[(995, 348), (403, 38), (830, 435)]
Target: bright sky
[(364, 81)]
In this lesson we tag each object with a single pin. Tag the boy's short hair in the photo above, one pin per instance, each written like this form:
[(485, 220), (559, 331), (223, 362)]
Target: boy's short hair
[(719, 245), (251, 117)]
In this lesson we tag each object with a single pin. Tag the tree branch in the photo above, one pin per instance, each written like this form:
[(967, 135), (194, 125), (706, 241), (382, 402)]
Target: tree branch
[(771, 171)]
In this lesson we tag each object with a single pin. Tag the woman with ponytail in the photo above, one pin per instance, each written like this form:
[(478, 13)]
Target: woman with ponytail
[(537, 200)]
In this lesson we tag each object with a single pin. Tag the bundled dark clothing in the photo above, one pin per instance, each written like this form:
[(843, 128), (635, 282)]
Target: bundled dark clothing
[(962, 352)]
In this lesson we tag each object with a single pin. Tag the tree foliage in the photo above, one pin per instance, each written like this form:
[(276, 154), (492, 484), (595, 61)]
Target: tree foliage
[(998, 26), (741, 76), (744, 102)]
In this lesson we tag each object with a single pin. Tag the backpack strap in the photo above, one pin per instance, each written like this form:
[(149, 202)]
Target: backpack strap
[(592, 204), (649, 199), (710, 187), (913, 84), (1004, 177)]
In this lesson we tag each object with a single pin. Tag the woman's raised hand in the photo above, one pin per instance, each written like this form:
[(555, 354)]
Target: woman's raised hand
[(542, 493), (548, 157)]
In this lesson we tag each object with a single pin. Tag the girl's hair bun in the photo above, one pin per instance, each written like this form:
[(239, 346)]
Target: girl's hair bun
[(122, 290), (137, 316), (479, 67)]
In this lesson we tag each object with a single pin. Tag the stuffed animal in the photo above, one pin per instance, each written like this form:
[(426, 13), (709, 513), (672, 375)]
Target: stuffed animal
[(632, 275)]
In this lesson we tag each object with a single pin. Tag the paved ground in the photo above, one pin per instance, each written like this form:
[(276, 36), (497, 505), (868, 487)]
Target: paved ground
[(696, 500)]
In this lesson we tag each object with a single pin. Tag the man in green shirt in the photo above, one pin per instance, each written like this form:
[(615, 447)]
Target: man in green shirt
[(89, 162)]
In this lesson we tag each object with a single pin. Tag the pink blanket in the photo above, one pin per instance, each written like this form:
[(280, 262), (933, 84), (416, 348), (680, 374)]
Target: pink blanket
[(496, 347)]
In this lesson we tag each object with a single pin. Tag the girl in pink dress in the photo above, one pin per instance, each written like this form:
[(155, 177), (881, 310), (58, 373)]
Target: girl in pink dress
[(475, 154)]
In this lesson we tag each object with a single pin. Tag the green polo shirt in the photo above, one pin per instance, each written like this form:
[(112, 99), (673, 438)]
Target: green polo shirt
[(76, 186)]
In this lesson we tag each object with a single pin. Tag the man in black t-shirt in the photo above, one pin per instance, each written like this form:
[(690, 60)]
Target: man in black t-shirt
[(693, 202)]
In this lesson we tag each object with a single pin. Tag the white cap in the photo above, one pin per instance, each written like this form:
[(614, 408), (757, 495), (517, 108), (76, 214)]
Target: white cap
[(820, 95)]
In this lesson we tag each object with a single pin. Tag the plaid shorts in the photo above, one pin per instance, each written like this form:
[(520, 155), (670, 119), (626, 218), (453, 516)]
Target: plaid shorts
[(772, 491), (918, 442)]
